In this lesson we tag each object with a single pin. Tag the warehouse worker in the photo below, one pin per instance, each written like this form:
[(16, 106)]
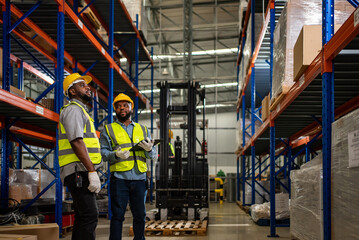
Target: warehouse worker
[(170, 136), (128, 167), (172, 152), (79, 155)]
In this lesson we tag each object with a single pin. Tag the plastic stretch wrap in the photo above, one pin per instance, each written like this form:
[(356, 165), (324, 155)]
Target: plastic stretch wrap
[(260, 211), (137, 7), (258, 22), (27, 183), (259, 192), (345, 191), (281, 206), (295, 14), (306, 201)]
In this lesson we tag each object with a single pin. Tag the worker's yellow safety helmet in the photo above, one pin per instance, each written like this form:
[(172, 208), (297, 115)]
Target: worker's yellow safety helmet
[(122, 97), (170, 134), (69, 81)]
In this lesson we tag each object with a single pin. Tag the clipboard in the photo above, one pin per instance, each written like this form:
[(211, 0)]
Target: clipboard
[(138, 148)]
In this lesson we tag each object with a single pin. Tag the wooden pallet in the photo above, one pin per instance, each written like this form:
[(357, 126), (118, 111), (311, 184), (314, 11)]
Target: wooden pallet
[(66, 230), (244, 208), (174, 228), (278, 99)]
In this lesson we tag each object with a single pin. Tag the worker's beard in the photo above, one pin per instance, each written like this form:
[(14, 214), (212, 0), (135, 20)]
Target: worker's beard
[(85, 97), (123, 118)]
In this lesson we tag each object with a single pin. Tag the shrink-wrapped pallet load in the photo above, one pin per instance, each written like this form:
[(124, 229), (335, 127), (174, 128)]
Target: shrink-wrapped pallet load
[(345, 175), (295, 15), (306, 201)]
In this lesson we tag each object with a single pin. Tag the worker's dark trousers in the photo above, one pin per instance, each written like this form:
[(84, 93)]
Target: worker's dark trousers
[(84, 203), (123, 191)]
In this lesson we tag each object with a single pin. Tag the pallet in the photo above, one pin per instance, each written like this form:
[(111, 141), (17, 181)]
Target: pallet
[(66, 230), (278, 99), (244, 208), (292, 237), (174, 228), (266, 222)]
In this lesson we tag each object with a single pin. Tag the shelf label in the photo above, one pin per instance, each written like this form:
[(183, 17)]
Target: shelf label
[(40, 110), (353, 149), (103, 51), (356, 17), (81, 25)]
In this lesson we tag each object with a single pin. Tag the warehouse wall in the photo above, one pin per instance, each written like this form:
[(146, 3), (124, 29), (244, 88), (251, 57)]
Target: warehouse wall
[(221, 138)]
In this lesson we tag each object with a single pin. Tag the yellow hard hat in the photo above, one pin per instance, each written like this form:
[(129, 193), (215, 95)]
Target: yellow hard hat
[(170, 133), (72, 78), (122, 97)]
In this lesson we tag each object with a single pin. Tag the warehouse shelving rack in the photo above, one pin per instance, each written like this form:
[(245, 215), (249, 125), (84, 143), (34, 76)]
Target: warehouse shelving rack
[(29, 123), (312, 96)]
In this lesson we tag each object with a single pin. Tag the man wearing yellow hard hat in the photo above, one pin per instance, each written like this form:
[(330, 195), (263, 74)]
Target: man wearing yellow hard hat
[(79, 155), (127, 165)]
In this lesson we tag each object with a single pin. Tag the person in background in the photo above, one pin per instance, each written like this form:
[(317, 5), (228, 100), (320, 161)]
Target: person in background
[(170, 136), (128, 167), (79, 155)]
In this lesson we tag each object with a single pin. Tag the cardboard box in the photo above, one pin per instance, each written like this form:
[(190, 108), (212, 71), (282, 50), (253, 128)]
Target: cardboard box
[(15, 90), (307, 47), (48, 103), (17, 237), (265, 107), (48, 231)]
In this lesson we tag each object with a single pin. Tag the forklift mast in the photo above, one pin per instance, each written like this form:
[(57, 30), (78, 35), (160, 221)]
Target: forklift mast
[(182, 181)]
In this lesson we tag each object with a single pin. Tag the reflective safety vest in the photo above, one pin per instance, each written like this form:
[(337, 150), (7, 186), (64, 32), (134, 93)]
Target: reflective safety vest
[(172, 153), (67, 154), (172, 149), (120, 138)]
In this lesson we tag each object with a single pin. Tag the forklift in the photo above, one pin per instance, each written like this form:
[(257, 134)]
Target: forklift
[(182, 182)]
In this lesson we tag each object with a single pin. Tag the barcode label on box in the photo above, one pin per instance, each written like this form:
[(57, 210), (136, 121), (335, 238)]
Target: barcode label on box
[(356, 17), (40, 110), (81, 25), (353, 148)]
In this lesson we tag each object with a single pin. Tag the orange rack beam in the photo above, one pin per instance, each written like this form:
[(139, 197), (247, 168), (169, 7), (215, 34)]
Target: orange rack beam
[(98, 46), (25, 105)]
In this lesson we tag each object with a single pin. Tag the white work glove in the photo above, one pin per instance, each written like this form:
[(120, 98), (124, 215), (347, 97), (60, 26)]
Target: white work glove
[(146, 144), (95, 183), (122, 154)]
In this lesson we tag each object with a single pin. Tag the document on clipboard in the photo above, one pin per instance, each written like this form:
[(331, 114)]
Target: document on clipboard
[(138, 148)]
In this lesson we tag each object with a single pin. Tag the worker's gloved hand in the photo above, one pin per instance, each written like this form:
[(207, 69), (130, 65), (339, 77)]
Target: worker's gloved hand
[(95, 183), (146, 144), (122, 154)]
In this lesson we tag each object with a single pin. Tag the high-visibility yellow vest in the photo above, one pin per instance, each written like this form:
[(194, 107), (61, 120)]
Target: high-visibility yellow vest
[(172, 153), (120, 138), (172, 149), (66, 153)]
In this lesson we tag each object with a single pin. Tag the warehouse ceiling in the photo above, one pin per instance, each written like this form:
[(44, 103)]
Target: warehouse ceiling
[(216, 28)]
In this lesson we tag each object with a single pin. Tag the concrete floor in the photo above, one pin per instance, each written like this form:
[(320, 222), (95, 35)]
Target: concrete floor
[(225, 222)]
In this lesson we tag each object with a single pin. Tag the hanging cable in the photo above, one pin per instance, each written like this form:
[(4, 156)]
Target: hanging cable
[(11, 214)]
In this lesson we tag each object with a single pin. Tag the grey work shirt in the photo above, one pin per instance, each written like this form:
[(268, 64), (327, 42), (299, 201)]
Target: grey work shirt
[(74, 119)]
